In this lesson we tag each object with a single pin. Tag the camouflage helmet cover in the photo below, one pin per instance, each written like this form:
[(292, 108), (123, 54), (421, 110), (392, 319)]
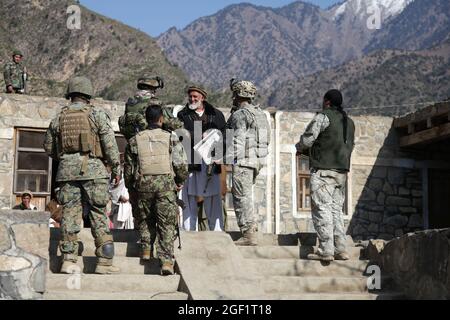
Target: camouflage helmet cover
[(147, 81), (80, 85), (243, 89), (17, 53)]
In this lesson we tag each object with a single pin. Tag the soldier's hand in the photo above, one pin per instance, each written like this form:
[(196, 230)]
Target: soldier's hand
[(179, 188), (116, 180), (9, 89)]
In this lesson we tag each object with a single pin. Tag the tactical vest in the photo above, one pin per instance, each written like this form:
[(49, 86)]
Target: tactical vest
[(77, 133), (133, 121), (154, 152), (330, 152), (260, 131)]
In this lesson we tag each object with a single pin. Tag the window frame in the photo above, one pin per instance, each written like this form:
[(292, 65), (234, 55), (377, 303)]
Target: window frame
[(17, 151), (302, 176)]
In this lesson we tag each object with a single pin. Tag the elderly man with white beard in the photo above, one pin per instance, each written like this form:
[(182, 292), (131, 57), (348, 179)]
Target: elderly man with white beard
[(203, 186)]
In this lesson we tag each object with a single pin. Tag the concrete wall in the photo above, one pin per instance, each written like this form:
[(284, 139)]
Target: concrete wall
[(24, 243)]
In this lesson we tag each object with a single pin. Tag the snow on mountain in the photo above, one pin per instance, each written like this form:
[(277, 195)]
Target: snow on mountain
[(363, 8)]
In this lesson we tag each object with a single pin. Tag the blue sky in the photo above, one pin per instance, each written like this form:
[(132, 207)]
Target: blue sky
[(156, 16)]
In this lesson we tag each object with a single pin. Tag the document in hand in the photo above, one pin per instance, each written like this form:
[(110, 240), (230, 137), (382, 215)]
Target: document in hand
[(206, 147)]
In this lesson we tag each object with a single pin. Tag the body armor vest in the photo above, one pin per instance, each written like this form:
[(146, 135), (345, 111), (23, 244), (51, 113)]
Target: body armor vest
[(259, 130), (77, 134), (154, 152)]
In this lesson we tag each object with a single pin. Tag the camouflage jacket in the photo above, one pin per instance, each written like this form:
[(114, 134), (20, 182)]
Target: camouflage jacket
[(157, 183), (71, 165), (13, 73), (238, 151), (134, 118)]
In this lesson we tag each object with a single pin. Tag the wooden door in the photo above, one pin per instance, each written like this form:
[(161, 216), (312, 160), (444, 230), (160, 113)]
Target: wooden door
[(439, 199)]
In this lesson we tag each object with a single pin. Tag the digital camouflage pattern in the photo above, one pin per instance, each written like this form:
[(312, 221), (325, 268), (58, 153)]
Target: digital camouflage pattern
[(133, 121), (73, 167), (161, 212), (152, 186), (328, 198), (73, 196), (13, 74), (243, 180), (83, 181), (243, 89)]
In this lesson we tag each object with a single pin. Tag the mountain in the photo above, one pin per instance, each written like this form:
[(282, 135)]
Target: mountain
[(423, 24), (270, 46), (388, 82), (112, 54)]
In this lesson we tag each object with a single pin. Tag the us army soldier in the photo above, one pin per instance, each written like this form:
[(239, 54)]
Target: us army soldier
[(250, 143), (81, 138), (156, 166), (329, 141), (15, 74), (133, 122)]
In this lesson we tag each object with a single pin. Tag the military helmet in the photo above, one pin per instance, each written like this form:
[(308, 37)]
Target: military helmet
[(243, 89), (154, 82), (17, 53), (80, 85)]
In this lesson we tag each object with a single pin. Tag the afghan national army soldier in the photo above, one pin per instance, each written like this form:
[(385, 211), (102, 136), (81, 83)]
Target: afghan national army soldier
[(81, 138), (329, 142), (15, 74), (156, 166), (133, 122), (247, 153)]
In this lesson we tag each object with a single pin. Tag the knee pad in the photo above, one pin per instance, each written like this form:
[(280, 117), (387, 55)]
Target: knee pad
[(106, 250)]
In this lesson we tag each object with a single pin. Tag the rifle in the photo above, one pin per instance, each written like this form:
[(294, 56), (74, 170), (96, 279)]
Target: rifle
[(182, 205), (24, 80), (209, 173)]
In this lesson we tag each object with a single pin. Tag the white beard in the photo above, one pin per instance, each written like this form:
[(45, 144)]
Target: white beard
[(195, 106)]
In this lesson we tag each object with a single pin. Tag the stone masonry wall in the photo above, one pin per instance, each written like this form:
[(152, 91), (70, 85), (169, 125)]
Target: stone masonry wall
[(24, 243)]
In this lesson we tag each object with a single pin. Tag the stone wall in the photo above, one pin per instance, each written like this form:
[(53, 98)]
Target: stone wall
[(24, 243), (419, 263)]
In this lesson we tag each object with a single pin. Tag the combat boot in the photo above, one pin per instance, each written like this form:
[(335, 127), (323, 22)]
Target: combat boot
[(249, 238), (167, 269), (105, 266), (342, 256), (147, 253), (69, 265)]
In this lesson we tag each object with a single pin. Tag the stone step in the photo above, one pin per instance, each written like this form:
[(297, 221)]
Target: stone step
[(294, 285), (295, 267), (290, 252), (114, 283), (124, 295), (295, 239), (337, 296), (127, 265), (122, 249), (85, 235)]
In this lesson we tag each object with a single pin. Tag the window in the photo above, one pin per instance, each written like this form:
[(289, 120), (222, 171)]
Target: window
[(33, 166), (303, 184)]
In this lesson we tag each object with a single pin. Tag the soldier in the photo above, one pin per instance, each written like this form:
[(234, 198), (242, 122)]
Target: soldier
[(132, 122), (15, 74), (81, 138), (329, 139), (26, 204), (249, 147), (156, 166)]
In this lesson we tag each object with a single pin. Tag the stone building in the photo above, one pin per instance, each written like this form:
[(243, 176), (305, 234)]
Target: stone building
[(399, 182)]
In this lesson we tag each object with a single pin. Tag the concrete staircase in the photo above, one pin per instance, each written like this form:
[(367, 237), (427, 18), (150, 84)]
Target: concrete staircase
[(137, 280), (287, 275)]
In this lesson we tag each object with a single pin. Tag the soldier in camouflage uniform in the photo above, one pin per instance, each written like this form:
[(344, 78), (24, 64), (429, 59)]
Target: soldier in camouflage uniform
[(15, 74), (250, 142), (156, 166), (329, 141), (132, 122), (81, 138)]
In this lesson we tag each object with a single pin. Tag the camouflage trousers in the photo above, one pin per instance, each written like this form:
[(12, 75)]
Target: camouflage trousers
[(72, 195), (161, 211), (147, 232), (243, 180), (328, 198)]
